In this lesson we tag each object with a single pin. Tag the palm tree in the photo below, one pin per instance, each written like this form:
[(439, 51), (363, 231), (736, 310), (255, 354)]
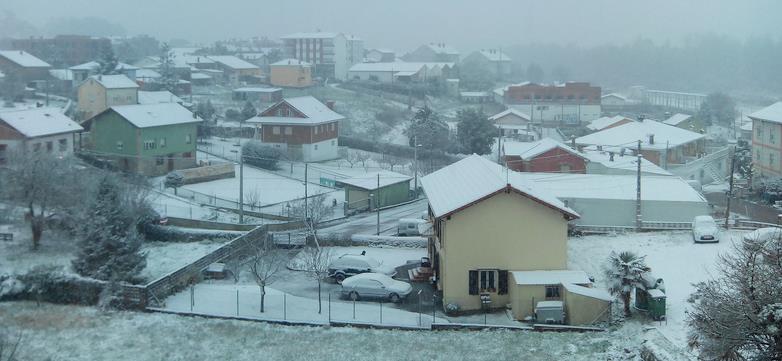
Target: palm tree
[(624, 273)]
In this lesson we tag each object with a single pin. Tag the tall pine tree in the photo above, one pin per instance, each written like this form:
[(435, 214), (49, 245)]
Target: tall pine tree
[(168, 77), (110, 247)]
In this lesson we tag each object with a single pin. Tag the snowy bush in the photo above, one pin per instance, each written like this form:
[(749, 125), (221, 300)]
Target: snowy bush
[(51, 284), (260, 155), (158, 233), (451, 308)]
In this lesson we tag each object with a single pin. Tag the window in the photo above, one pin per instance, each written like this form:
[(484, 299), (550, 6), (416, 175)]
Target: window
[(564, 168), (159, 160), (187, 155), (333, 143), (276, 130), (188, 139), (163, 142), (771, 137), (483, 281), (149, 144), (63, 145), (37, 147), (333, 125), (288, 130), (315, 146), (3, 150), (120, 145), (317, 127), (49, 146), (552, 291)]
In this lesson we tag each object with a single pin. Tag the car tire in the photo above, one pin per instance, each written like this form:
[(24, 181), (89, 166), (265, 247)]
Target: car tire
[(353, 296), (339, 277), (394, 298)]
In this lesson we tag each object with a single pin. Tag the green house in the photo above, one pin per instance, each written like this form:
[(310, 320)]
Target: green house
[(375, 190), (148, 139)]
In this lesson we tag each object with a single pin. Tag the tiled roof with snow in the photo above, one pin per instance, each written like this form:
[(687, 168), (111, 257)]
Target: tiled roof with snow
[(154, 97), (495, 55), (513, 111), (474, 178), (292, 61), (590, 292), (233, 62), (155, 115), (197, 59), (529, 150), (603, 122), (369, 181), (627, 135), (550, 277), (115, 81), (147, 73), (23, 58), (314, 111), (616, 187), (257, 90), (626, 162), (443, 49), (38, 122), (94, 65), (677, 118), (771, 113)]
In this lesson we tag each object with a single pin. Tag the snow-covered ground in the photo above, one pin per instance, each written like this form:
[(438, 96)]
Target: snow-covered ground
[(391, 257), (61, 332), (56, 249), (164, 257), (672, 256)]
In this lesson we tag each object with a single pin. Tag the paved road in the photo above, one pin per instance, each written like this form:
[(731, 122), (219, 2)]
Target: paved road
[(366, 223)]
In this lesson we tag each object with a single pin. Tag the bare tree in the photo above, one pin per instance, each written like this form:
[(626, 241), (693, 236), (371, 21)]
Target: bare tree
[(253, 198), (41, 183), (316, 264), (316, 211), (363, 157), (265, 263), (352, 157)]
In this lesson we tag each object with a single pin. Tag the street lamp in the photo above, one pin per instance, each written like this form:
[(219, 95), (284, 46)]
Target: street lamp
[(415, 163)]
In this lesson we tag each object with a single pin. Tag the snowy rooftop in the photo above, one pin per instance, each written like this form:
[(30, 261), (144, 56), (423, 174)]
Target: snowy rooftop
[(292, 62), (614, 95), (256, 90), (94, 65), (474, 178), (23, 58), (627, 135), (513, 111), (147, 73), (197, 59), (370, 181), (155, 115), (603, 122), (771, 113), (199, 76), (616, 187), (115, 81), (153, 97), (597, 293), (677, 118), (233, 62), (495, 55), (38, 122), (61, 74), (314, 111), (528, 150), (314, 35), (626, 162), (443, 49), (550, 277)]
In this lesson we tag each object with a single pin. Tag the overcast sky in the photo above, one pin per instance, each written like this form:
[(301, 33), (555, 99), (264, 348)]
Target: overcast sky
[(404, 24)]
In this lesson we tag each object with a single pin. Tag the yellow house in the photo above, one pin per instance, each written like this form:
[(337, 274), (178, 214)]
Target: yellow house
[(100, 92), (489, 227), (291, 73)]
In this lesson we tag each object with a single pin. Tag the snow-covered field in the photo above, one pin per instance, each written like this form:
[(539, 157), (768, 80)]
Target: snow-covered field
[(56, 249), (164, 257), (672, 256), (58, 332)]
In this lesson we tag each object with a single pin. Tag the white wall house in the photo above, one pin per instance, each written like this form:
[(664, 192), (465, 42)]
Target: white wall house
[(39, 129)]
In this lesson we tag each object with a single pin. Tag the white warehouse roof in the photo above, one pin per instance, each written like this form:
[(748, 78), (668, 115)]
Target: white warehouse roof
[(370, 181)]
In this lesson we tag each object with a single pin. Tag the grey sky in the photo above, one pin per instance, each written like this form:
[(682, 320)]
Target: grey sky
[(404, 24)]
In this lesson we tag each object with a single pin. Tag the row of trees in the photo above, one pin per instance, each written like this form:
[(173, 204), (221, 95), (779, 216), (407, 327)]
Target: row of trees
[(474, 132)]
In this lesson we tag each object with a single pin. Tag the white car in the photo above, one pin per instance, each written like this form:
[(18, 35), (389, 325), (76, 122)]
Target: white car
[(375, 285), (350, 265), (704, 229)]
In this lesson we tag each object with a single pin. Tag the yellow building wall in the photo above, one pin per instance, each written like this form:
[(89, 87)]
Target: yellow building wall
[(524, 298), (583, 310), (293, 76), (94, 98), (507, 231)]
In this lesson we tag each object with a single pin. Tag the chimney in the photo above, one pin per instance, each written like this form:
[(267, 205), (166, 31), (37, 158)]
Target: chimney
[(651, 138), (622, 152), (195, 116), (610, 156), (330, 104)]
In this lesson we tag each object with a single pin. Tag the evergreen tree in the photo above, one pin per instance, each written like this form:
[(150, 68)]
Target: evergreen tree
[(110, 246), (474, 132), (718, 108), (248, 111), (108, 61), (431, 132), (168, 77)]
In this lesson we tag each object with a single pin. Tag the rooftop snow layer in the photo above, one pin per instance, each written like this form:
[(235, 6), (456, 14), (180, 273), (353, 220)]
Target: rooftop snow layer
[(314, 111), (617, 187), (473, 178), (38, 122), (115, 81), (292, 62), (626, 162), (153, 97), (615, 95), (550, 277), (603, 122), (528, 150), (233, 62), (495, 55), (155, 115), (597, 293), (771, 113), (315, 35), (509, 111), (257, 90), (677, 118), (370, 181), (627, 135), (23, 58)]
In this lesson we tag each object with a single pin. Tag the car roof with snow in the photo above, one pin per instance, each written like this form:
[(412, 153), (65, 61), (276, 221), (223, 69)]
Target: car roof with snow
[(356, 257), (369, 276)]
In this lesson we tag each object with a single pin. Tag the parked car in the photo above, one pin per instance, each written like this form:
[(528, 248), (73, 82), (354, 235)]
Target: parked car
[(704, 229), (409, 227), (375, 285), (350, 265)]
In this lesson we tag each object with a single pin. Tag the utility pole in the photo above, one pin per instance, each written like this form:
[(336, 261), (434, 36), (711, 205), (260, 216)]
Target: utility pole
[(499, 145), (730, 189), (377, 202), (241, 186), (306, 205), (415, 164), (638, 190)]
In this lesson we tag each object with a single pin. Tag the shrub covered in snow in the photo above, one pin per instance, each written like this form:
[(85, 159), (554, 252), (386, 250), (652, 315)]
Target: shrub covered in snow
[(51, 284)]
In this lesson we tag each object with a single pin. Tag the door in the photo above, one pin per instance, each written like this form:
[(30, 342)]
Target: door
[(170, 162)]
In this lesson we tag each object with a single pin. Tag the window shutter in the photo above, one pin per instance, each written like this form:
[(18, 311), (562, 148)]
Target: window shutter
[(503, 288), (473, 283)]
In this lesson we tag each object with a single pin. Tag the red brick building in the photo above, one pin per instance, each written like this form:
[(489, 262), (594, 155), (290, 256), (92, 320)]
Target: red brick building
[(303, 127), (545, 156), (570, 103)]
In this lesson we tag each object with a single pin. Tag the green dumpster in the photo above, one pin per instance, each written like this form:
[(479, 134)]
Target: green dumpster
[(656, 304)]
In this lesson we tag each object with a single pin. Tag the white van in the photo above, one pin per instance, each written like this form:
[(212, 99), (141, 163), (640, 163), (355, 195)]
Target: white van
[(409, 227)]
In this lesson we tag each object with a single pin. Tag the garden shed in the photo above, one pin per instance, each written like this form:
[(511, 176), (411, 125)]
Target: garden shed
[(385, 187)]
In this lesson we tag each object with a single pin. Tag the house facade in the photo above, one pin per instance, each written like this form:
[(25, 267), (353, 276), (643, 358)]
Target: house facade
[(291, 73), (332, 54), (545, 155), (100, 92), (236, 70), (147, 139), (767, 141), (568, 104), (25, 66), (613, 101), (39, 129), (303, 127)]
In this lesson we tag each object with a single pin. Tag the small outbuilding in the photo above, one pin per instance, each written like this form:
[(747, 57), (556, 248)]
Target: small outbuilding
[(376, 190)]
